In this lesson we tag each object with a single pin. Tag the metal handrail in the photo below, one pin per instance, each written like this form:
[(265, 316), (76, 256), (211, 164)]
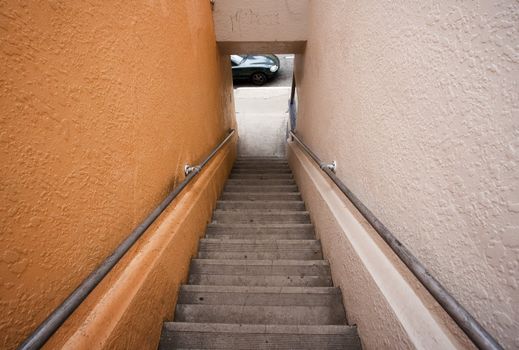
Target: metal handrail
[(51, 324), (474, 331)]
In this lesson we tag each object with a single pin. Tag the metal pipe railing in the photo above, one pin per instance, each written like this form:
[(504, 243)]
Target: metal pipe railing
[(51, 324), (470, 326)]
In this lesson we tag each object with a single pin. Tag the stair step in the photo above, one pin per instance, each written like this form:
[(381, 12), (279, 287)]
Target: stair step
[(260, 314), (238, 245), (263, 205), (273, 337), (260, 159), (260, 216), (268, 296), (306, 254), (261, 182), (260, 267), (262, 170), (257, 165), (261, 280), (260, 176), (268, 196), (260, 166), (272, 232), (260, 188)]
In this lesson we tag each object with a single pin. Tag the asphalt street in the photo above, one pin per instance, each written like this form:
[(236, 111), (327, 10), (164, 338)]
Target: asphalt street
[(283, 78)]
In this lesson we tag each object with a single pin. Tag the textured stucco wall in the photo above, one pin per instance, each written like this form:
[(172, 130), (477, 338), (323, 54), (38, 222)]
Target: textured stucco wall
[(266, 26), (390, 307), (101, 106), (418, 102)]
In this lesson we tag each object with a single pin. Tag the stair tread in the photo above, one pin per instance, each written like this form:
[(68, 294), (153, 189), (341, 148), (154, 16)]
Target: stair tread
[(259, 280), (254, 314), (254, 196), (259, 244), (260, 205), (260, 226), (260, 241), (261, 188), (265, 262), (320, 280), (259, 289), (259, 231), (266, 193), (261, 201), (260, 211), (260, 295), (181, 335), (258, 328), (264, 170), (241, 267), (261, 216)]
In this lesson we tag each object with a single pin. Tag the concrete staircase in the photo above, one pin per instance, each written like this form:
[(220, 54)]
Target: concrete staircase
[(260, 281)]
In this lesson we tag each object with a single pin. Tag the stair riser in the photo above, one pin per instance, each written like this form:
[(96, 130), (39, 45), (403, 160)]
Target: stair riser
[(263, 205), (268, 218), (262, 161), (232, 341), (247, 229), (282, 270), (279, 255), (207, 244), (254, 169), (261, 281), (260, 164), (240, 176), (240, 196), (262, 236), (263, 170), (266, 299), (262, 182), (260, 189), (301, 315)]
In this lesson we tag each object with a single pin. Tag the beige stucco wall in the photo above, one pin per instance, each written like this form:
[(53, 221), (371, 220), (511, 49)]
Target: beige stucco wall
[(390, 307), (418, 103), (101, 105), (266, 26)]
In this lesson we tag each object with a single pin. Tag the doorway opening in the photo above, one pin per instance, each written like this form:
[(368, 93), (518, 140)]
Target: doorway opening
[(262, 88)]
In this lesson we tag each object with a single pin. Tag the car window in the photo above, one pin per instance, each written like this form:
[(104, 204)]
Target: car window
[(236, 60)]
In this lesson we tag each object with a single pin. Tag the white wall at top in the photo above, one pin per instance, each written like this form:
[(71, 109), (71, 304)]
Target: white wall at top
[(264, 26), (419, 104), (262, 115)]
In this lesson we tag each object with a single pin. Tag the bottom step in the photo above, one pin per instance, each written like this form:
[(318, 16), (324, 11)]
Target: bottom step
[(182, 335)]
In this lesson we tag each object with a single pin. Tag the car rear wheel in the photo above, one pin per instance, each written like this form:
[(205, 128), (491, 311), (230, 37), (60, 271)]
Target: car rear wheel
[(258, 78)]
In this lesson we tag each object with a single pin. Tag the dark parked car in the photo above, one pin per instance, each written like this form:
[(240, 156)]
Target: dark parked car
[(256, 68)]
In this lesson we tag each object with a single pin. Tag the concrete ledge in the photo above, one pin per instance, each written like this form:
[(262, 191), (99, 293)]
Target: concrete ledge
[(261, 47), (391, 308)]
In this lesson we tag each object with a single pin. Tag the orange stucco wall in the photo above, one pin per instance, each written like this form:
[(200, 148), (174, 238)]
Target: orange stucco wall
[(101, 105)]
